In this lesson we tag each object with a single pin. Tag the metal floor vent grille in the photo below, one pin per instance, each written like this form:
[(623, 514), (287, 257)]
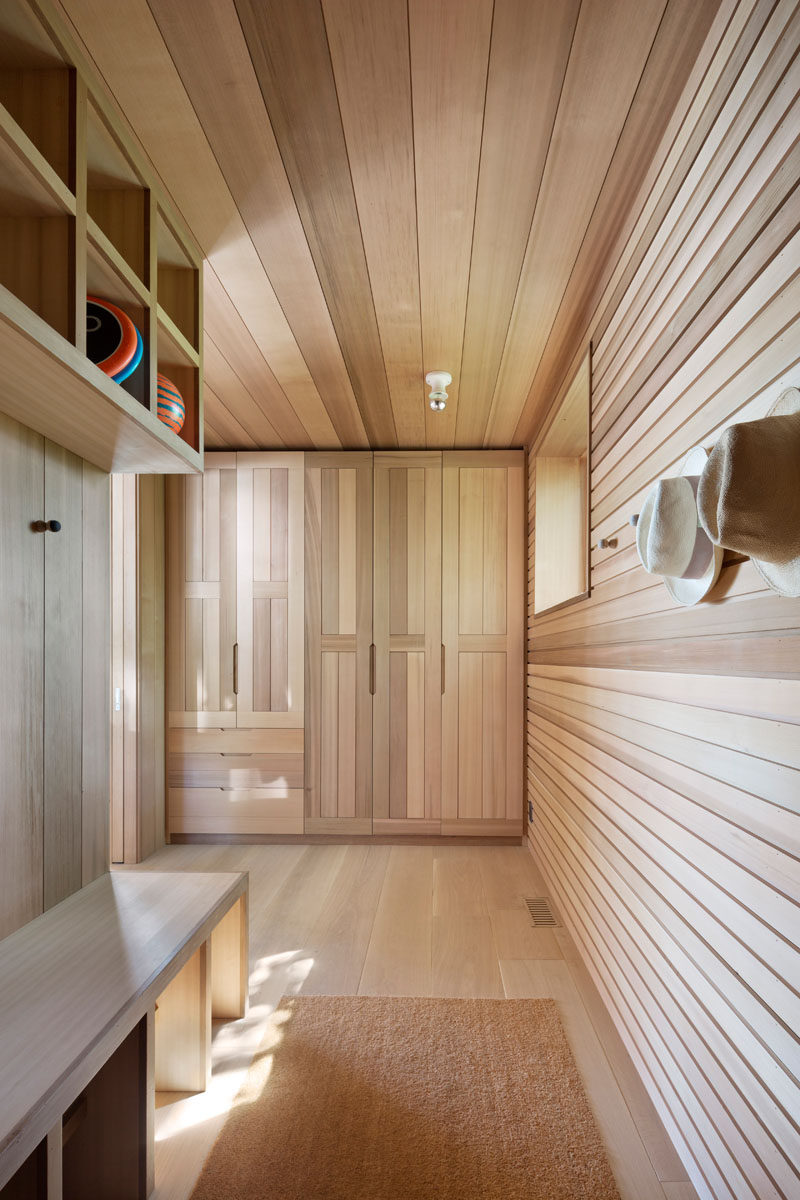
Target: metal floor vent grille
[(541, 913)]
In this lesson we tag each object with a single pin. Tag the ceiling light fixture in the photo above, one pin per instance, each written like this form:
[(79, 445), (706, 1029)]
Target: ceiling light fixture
[(438, 382)]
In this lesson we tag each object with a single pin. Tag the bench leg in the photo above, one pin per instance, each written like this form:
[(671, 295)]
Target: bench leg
[(229, 963), (183, 1028)]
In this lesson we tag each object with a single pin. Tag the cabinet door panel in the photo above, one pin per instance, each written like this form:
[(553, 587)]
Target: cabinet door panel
[(483, 637), (338, 590), (407, 635), (269, 532), (201, 532)]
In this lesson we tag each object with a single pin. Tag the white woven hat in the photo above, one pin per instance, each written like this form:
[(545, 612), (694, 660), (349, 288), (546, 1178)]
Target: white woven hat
[(749, 494), (670, 540)]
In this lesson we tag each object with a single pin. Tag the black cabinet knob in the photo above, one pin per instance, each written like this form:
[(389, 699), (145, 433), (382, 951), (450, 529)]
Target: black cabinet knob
[(54, 526)]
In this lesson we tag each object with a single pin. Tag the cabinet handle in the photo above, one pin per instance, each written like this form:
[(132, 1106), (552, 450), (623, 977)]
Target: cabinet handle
[(443, 666), (372, 669), (45, 526), (236, 668)]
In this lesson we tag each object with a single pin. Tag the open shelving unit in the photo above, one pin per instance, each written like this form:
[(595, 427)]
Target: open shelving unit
[(81, 213)]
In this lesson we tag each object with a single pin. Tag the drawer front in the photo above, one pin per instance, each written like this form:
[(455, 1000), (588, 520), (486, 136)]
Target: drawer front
[(236, 811)]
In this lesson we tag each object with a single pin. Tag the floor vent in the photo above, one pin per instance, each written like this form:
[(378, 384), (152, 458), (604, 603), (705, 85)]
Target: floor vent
[(541, 913)]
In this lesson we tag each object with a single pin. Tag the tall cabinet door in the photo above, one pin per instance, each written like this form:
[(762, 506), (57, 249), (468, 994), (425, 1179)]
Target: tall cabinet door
[(201, 540), (483, 631), (407, 601), (270, 590), (338, 589)]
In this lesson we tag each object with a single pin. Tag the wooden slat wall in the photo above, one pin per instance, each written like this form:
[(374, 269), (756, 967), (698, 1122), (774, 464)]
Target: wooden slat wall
[(137, 666), (664, 760)]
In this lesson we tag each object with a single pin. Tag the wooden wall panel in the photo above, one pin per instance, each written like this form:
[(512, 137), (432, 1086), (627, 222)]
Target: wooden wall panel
[(338, 597), (138, 658), (54, 675), (482, 620), (21, 676), (63, 674), (663, 769)]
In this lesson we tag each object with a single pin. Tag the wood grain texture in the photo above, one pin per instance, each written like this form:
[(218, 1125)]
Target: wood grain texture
[(662, 770), (482, 635), (63, 675), (291, 59), (22, 674), (407, 590), (338, 631), (115, 946)]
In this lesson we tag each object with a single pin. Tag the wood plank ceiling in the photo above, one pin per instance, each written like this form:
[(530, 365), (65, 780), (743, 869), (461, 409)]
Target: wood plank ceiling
[(386, 187)]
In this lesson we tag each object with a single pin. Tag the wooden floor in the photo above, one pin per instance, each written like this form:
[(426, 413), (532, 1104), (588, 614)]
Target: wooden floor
[(408, 921)]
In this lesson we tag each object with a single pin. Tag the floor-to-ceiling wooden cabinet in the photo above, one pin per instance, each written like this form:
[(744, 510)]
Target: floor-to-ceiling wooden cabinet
[(483, 514), (235, 647), (350, 624), (407, 632), (339, 655)]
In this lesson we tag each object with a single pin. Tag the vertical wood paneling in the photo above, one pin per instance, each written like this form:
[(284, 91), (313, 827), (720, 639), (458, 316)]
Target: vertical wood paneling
[(398, 735), (470, 736), (662, 766), (21, 675), (346, 749), (54, 675), (63, 674), (415, 735), (471, 575), (338, 608), (262, 646), (329, 737), (262, 528), (279, 656), (95, 729), (483, 512), (270, 623), (407, 624), (347, 551)]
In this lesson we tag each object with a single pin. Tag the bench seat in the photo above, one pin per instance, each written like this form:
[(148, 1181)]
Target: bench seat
[(78, 980)]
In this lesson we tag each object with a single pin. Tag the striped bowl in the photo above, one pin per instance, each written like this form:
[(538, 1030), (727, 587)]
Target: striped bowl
[(171, 409)]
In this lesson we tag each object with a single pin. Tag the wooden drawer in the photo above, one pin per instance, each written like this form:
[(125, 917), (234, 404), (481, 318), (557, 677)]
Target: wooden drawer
[(237, 811), (236, 758)]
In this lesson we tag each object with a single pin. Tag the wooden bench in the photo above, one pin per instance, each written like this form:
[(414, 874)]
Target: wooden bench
[(105, 999)]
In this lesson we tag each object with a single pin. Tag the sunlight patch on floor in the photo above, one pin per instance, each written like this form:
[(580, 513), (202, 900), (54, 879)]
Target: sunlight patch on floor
[(188, 1124)]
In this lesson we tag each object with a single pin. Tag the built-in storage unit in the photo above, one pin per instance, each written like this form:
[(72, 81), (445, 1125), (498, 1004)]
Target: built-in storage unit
[(81, 214), (413, 612), (235, 646)]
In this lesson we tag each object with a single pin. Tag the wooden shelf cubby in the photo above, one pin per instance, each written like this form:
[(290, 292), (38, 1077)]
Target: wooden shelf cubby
[(81, 213)]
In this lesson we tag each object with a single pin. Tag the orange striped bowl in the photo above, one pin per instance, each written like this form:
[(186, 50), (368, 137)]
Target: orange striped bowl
[(171, 409)]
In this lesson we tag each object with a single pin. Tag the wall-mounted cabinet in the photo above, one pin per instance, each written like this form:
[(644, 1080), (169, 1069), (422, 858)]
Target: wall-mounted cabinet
[(81, 214)]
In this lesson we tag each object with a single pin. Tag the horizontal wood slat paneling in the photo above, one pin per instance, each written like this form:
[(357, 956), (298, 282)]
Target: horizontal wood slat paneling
[(663, 752)]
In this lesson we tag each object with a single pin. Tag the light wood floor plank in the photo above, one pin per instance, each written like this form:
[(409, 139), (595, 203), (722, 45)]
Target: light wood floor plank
[(338, 943), (399, 956), (464, 959)]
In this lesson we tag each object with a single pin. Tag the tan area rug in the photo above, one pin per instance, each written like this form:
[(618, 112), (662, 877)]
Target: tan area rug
[(403, 1099)]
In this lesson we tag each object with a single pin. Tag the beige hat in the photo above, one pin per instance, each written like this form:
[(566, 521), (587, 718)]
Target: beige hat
[(749, 494), (670, 540)]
